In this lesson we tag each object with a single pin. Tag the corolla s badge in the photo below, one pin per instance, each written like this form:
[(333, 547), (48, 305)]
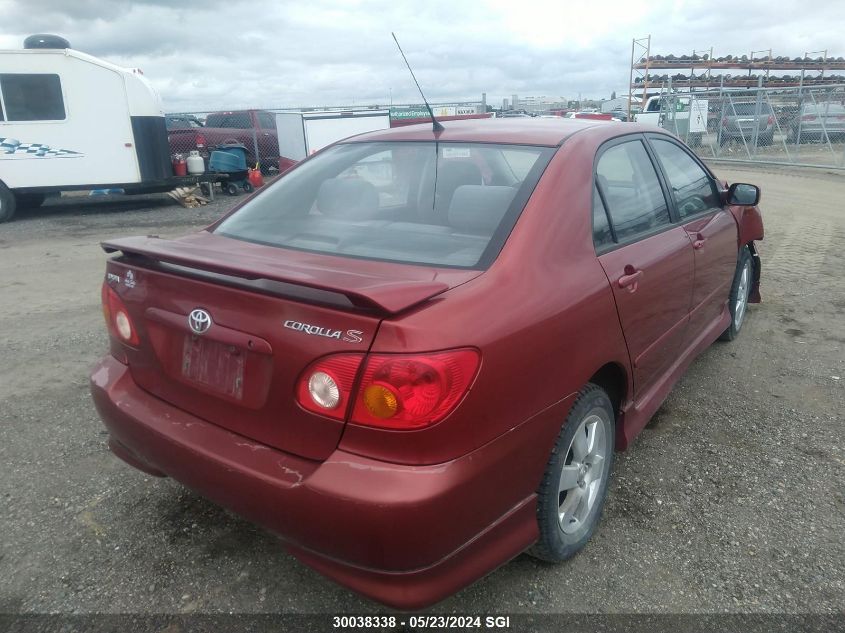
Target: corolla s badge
[(350, 336), (199, 320)]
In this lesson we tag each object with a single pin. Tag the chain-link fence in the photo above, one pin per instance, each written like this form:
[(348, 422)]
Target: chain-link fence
[(801, 126), (202, 132)]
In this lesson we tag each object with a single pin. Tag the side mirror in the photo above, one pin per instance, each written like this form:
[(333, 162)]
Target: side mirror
[(742, 194)]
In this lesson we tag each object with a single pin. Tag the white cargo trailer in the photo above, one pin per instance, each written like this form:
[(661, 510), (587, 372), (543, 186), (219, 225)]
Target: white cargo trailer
[(303, 133), (71, 121)]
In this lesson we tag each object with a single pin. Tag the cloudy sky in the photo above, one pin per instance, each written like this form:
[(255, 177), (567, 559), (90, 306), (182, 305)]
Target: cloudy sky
[(214, 54)]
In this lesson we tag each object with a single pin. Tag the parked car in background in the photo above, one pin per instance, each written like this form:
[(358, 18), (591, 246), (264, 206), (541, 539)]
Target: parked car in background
[(818, 122), (414, 354), (250, 128), (745, 121)]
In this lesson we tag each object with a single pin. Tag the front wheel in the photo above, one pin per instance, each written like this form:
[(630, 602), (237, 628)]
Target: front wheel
[(574, 486), (740, 290)]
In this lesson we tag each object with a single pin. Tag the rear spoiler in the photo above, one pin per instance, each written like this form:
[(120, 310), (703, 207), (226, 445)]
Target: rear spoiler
[(363, 290)]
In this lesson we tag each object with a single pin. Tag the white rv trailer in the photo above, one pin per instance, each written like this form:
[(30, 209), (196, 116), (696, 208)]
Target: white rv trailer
[(71, 121)]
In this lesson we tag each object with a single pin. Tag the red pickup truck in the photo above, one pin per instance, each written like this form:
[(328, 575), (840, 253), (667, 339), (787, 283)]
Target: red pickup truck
[(251, 128)]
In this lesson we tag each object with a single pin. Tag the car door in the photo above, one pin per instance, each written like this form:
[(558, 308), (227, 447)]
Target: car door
[(647, 258), (711, 229)]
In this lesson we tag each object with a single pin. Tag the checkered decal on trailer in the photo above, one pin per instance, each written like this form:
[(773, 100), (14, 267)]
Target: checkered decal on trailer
[(13, 148)]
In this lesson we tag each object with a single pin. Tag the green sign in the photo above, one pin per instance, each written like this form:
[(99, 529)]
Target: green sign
[(412, 112)]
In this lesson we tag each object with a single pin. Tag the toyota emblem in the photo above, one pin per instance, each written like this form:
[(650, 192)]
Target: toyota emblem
[(199, 320)]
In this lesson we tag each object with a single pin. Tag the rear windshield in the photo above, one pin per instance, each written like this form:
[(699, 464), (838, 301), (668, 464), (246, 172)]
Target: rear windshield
[(234, 120), (749, 109), (442, 204)]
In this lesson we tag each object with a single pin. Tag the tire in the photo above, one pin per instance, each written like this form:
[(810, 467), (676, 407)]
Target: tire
[(740, 290), (8, 204), (581, 490), (766, 139), (232, 189), (248, 187)]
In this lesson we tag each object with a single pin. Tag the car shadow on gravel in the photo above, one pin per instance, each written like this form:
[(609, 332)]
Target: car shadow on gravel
[(94, 205)]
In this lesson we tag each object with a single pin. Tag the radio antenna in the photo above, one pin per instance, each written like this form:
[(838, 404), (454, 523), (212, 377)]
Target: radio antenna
[(435, 123)]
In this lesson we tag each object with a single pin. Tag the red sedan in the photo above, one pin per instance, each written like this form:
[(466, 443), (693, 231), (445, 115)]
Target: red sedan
[(414, 355)]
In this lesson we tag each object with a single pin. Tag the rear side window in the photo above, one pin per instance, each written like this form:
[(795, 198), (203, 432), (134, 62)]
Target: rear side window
[(32, 97), (441, 204), (693, 189), (631, 189)]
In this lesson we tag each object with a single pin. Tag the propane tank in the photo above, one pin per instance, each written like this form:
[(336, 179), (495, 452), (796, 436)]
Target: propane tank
[(196, 164), (180, 167)]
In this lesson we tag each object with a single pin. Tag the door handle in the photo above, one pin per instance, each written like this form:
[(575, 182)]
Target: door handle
[(698, 242), (631, 279)]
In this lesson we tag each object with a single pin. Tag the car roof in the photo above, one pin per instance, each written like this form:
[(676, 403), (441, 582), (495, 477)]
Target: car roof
[(507, 130)]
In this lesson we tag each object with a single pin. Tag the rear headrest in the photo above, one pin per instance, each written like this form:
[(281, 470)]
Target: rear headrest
[(349, 198), (478, 209)]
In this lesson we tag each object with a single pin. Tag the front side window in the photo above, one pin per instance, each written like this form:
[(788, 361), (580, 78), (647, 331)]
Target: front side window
[(693, 189), (448, 204), (631, 189), (32, 97)]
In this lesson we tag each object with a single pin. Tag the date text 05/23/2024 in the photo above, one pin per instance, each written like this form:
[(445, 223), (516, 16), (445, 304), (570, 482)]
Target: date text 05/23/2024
[(358, 622)]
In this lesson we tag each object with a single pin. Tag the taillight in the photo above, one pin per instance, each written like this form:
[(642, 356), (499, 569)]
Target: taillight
[(200, 140), (771, 120), (325, 387), (405, 392), (117, 317)]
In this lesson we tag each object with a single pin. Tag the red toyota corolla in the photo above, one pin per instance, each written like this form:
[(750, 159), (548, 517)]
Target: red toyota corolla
[(414, 355)]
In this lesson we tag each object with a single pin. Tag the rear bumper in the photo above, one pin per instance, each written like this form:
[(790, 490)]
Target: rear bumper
[(407, 536)]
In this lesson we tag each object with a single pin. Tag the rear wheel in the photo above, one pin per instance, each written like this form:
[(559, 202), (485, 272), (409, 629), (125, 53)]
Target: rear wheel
[(7, 203), (740, 290), (574, 486), (232, 189)]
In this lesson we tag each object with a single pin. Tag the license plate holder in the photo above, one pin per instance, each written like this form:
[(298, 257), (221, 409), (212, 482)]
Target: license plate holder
[(216, 366)]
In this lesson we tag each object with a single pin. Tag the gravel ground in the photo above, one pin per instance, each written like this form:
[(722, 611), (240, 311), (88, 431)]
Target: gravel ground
[(731, 500)]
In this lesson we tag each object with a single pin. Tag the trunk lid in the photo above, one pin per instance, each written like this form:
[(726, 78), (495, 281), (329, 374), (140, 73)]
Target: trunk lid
[(272, 313)]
